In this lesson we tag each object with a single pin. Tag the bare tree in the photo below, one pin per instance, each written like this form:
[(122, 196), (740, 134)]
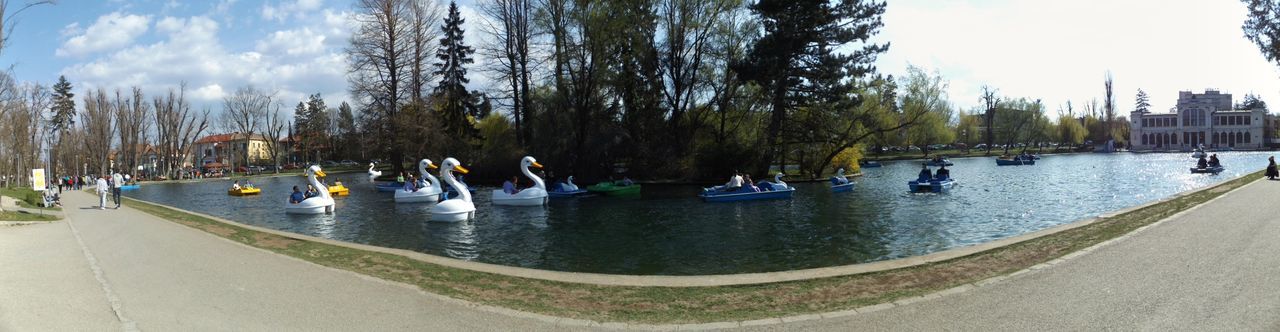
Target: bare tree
[(423, 14), (509, 30), (177, 128), (380, 56), (98, 119), (7, 18), (275, 123), (132, 114), (243, 112), (688, 27)]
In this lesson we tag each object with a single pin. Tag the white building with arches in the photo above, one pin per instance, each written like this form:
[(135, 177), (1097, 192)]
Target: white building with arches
[(1199, 119)]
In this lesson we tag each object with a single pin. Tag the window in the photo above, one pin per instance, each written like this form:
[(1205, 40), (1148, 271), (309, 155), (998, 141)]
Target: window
[(1248, 138), (1247, 121)]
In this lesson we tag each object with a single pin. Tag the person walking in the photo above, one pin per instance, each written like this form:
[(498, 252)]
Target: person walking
[(1272, 172), (103, 187), (117, 180)]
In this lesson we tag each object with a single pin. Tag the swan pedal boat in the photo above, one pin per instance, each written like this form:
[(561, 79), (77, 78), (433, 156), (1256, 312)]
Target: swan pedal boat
[(1014, 162), (944, 162), (1208, 170), (532, 196), (566, 189), (456, 209), (840, 183), (428, 189), (1199, 154), (323, 203), (614, 189), (244, 191), (935, 186), (128, 187), (716, 194)]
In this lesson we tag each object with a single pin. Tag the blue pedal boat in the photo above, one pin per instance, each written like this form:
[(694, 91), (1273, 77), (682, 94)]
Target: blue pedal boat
[(931, 186), (1208, 170), (745, 193)]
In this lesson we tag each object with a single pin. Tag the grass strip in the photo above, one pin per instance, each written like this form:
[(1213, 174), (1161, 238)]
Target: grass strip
[(25, 216), (661, 305)]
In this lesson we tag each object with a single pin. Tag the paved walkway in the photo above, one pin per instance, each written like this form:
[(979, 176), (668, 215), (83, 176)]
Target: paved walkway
[(127, 270), (1213, 268)]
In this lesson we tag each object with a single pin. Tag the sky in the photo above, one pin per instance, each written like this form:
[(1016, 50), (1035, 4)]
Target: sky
[(1057, 51)]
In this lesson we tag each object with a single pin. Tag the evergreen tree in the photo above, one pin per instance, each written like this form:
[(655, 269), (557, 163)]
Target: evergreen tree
[(63, 117), (347, 128), (796, 62), (300, 120), (1251, 102), (316, 129), (1143, 103), (452, 95)]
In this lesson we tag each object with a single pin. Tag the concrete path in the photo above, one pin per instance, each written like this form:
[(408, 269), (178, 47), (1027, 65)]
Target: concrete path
[(1216, 268), (127, 270)]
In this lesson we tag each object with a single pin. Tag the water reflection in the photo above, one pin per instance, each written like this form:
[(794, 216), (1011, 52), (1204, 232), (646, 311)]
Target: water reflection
[(668, 230)]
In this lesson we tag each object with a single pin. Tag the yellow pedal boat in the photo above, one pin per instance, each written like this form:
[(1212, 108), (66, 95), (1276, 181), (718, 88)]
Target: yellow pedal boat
[(244, 191), (337, 189)]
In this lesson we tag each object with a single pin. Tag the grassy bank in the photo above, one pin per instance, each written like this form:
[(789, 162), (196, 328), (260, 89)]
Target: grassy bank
[(701, 304), (24, 216), (26, 197), (957, 153)]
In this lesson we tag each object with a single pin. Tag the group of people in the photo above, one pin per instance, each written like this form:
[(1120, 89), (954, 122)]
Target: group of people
[(298, 195), (739, 180), (1211, 162), (236, 185), (926, 175), (110, 184)]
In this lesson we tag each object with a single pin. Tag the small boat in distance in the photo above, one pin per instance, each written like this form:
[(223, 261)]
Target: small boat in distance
[(616, 188), (244, 191), (1208, 170), (763, 190), (931, 186), (840, 183), (566, 189), (869, 164), (939, 161)]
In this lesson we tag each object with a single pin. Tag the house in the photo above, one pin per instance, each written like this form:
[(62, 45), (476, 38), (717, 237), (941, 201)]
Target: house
[(228, 150)]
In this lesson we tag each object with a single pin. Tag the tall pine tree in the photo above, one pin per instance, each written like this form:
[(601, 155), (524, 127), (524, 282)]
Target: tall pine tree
[(452, 95), (797, 61), (63, 117)]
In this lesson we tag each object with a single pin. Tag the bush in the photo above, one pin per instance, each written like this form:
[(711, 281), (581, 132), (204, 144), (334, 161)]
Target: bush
[(848, 159)]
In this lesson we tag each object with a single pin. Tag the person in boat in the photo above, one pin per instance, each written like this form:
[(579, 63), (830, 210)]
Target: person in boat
[(626, 181), (400, 178), (1213, 160), (337, 183), (511, 187), (937, 159), (749, 184), (411, 185), (735, 181), (943, 173), (297, 196), (925, 174), (248, 184), (235, 185), (1272, 172), (311, 192), (1202, 163)]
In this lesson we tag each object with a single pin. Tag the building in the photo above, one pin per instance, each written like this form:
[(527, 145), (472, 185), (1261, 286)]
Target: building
[(216, 151), (1199, 119)]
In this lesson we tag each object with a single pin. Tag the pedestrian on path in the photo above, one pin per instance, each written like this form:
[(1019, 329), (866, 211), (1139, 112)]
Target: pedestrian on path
[(116, 181), (1272, 173), (103, 187)]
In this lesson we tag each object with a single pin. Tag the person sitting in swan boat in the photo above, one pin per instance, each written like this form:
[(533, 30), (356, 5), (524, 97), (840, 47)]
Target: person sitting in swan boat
[(311, 192), (735, 181), (511, 187), (297, 196), (943, 173), (400, 178), (925, 174), (1213, 160), (411, 185), (1202, 163), (749, 184)]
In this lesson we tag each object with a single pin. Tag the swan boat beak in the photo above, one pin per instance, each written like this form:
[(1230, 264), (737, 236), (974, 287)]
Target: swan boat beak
[(320, 173), (536, 164), (460, 169), (432, 166)]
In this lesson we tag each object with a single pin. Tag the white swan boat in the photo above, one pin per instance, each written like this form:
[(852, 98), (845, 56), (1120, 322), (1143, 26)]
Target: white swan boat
[(532, 196), (373, 174), (323, 203), (456, 209), (428, 192), (566, 189), (840, 183)]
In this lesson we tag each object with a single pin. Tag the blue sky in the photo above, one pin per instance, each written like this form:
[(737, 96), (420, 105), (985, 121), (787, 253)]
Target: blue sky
[(1051, 50)]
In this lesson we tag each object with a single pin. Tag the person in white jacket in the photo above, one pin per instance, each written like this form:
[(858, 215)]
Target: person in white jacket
[(103, 188), (116, 181)]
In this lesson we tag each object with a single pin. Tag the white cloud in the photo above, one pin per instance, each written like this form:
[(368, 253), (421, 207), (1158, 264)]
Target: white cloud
[(298, 8), (293, 62), (110, 31), (1061, 50)]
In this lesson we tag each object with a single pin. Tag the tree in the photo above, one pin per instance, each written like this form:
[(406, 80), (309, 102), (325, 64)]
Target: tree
[(62, 119), (177, 128), (510, 23), (1070, 132), (1109, 110), (311, 126), (688, 27), (1251, 102), (967, 126), (452, 94), (422, 16), (925, 96), (1142, 102), (380, 54), (991, 101), (1262, 27), (797, 62), (244, 112), (98, 119), (7, 18), (347, 131), (274, 131), (132, 114)]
